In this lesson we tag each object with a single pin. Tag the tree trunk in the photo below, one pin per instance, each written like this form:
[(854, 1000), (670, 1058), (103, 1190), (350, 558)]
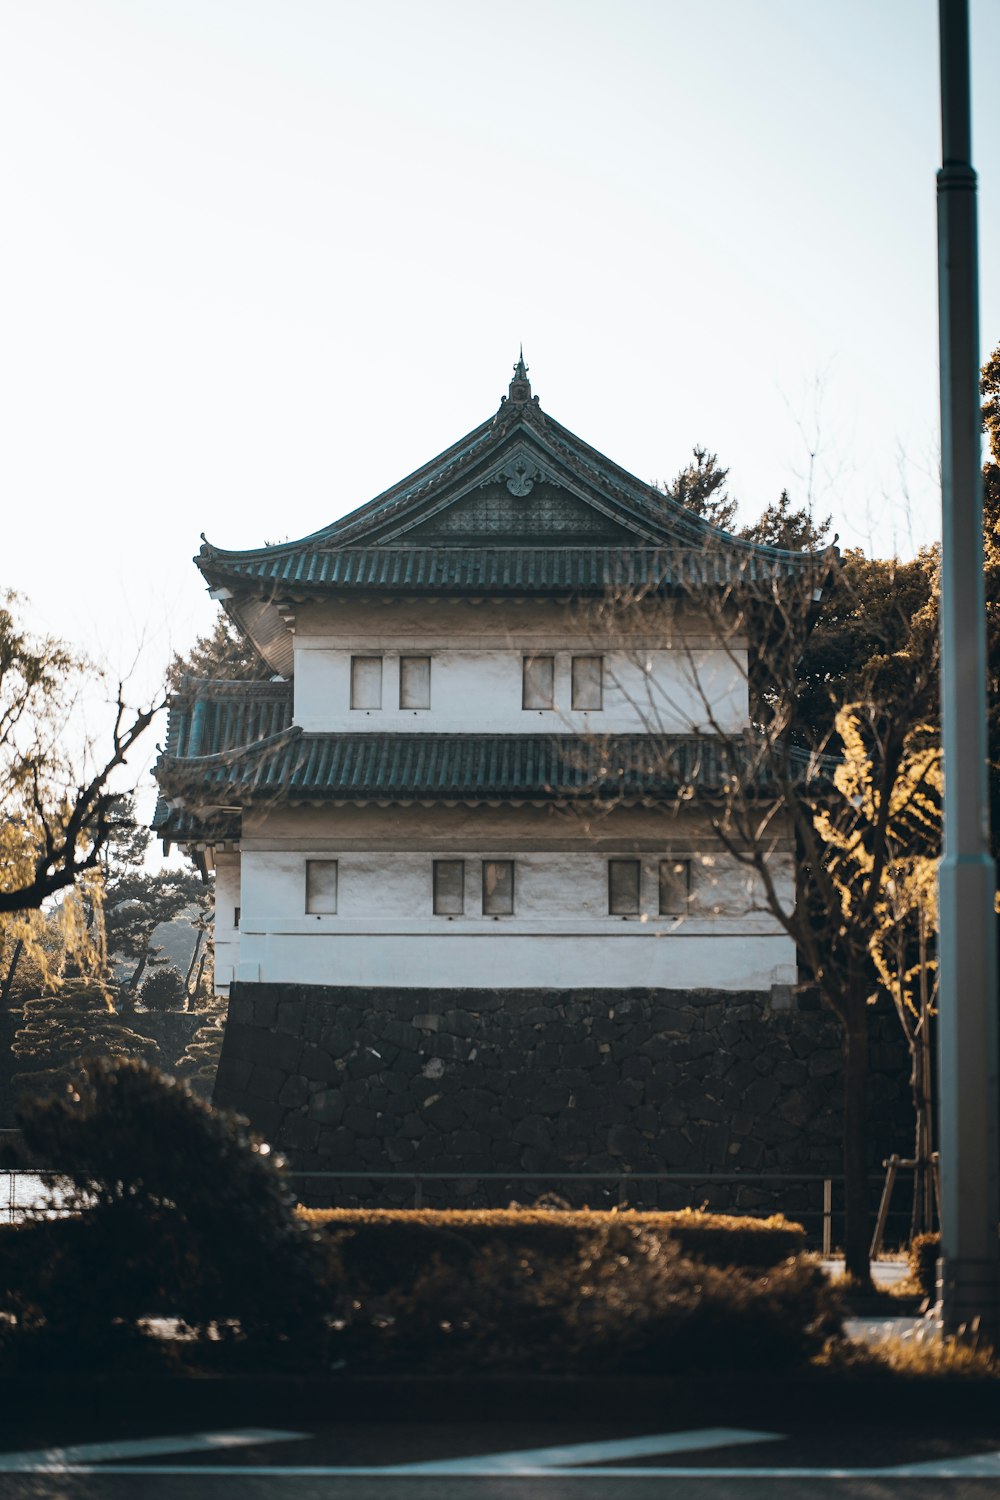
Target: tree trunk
[(857, 1232), (188, 992), (12, 971)]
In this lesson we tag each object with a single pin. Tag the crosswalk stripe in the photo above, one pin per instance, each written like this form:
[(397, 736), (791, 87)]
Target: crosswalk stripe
[(63, 1460)]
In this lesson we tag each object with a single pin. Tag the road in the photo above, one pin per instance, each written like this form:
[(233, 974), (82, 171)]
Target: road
[(555, 1460)]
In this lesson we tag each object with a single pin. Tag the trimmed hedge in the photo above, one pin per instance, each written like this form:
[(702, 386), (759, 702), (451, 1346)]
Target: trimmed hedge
[(378, 1243)]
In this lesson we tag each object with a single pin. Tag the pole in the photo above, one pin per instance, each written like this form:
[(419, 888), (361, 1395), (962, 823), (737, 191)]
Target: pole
[(969, 1270)]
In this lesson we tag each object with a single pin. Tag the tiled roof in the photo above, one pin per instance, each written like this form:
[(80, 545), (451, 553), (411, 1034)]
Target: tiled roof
[(305, 571), (415, 767), (210, 716)]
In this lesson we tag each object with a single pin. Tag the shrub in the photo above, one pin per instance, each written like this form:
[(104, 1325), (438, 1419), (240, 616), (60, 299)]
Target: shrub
[(620, 1299), (163, 990), (382, 1241), (177, 1211), (924, 1253)]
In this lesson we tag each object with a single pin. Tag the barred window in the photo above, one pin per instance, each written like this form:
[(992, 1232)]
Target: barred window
[(538, 689), (675, 886), (498, 887), (366, 682), (588, 682), (449, 887), (414, 682), (623, 887), (321, 886)]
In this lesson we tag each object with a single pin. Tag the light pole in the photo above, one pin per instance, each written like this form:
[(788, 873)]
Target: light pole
[(969, 1269)]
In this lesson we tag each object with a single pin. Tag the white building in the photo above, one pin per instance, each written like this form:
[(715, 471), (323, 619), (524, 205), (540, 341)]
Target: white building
[(463, 774)]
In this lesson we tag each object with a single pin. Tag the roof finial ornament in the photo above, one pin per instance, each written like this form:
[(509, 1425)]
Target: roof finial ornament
[(520, 386)]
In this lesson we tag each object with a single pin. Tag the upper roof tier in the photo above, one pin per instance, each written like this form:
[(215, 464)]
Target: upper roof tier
[(519, 506)]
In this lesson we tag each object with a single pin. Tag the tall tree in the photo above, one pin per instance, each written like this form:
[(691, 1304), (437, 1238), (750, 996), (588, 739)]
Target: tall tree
[(701, 488), (782, 526), (223, 652)]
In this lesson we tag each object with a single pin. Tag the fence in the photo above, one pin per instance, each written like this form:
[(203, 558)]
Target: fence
[(819, 1207), (814, 1200)]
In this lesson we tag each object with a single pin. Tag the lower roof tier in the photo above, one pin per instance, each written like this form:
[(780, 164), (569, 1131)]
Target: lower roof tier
[(208, 792)]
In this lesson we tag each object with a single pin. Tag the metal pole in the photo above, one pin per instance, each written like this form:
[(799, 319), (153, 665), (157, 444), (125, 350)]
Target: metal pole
[(969, 1272)]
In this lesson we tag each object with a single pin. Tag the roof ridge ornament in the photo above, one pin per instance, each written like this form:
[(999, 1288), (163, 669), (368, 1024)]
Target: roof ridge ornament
[(519, 390), (519, 401)]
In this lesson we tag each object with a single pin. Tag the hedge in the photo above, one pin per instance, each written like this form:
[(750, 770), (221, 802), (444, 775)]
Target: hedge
[(377, 1243)]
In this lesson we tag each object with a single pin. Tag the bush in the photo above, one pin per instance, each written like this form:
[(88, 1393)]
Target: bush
[(924, 1253), (619, 1299), (163, 990), (177, 1211), (385, 1242)]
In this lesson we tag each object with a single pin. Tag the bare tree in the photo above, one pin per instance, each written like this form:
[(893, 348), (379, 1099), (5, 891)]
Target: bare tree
[(776, 787), (56, 821)]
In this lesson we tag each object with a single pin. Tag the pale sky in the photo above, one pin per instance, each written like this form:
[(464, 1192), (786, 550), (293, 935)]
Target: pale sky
[(264, 257)]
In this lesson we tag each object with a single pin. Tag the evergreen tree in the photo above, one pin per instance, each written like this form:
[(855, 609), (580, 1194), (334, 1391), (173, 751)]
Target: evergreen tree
[(795, 530), (701, 488), (224, 653)]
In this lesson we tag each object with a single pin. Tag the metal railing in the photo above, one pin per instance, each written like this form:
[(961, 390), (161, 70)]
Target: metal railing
[(23, 1192), (315, 1184)]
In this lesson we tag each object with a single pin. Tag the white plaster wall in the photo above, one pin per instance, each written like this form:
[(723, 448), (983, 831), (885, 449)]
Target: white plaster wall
[(227, 935), (664, 670), (617, 961), (561, 934), (479, 691)]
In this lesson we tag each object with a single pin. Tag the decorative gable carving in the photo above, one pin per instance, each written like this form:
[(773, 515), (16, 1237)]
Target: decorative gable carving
[(542, 514)]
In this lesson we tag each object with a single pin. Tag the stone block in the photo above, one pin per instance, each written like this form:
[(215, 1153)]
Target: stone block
[(316, 1063), (338, 1143), (534, 1131), (233, 1074), (625, 1141), (240, 1011), (364, 1064), (299, 1133), (295, 1092), (266, 1119), (360, 1118), (460, 1023), (443, 1114), (337, 1038), (265, 1082), (291, 1016), (824, 1063), (327, 1107)]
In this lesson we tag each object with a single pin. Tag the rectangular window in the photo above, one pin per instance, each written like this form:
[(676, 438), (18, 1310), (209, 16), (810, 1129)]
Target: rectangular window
[(675, 886), (538, 689), (449, 887), (236, 916), (414, 682), (498, 887), (623, 887), (321, 886), (366, 682), (588, 682)]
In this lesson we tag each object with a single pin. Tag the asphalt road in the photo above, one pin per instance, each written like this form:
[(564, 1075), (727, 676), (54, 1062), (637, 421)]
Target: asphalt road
[(553, 1460)]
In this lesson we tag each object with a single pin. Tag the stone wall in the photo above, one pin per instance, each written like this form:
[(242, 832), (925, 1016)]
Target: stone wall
[(703, 1081)]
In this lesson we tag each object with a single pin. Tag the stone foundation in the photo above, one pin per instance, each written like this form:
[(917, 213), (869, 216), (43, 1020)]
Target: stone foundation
[(553, 1081)]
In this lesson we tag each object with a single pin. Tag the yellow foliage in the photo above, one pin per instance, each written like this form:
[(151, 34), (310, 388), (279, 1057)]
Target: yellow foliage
[(905, 904)]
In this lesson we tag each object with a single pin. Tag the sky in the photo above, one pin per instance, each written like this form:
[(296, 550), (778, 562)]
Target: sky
[(262, 258)]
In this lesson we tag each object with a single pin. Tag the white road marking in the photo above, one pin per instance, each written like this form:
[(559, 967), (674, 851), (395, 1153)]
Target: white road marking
[(541, 1460), (69, 1460), (981, 1466), (569, 1462)]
